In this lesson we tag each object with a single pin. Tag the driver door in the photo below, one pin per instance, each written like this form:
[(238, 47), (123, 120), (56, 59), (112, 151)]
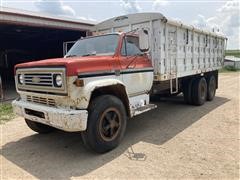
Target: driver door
[(136, 68)]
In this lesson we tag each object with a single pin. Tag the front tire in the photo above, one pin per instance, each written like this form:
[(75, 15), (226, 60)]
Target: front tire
[(106, 124), (38, 127)]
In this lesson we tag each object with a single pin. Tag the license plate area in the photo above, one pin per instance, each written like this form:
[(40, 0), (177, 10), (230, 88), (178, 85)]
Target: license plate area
[(35, 113)]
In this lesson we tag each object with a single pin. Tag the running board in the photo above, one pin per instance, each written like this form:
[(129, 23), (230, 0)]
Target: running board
[(143, 109)]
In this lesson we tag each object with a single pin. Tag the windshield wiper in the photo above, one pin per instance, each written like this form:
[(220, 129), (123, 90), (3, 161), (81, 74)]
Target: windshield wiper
[(73, 55)]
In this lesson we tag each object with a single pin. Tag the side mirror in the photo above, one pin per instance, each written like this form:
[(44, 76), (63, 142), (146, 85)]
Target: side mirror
[(143, 40)]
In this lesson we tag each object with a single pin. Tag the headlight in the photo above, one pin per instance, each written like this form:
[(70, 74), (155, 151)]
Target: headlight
[(20, 78), (58, 81)]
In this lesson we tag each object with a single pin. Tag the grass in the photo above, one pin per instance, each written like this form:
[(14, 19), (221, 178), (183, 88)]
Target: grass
[(6, 113), (229, 69), (235, 53)]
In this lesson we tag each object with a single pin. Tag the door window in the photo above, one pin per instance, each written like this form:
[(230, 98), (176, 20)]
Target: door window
[(130, 46)]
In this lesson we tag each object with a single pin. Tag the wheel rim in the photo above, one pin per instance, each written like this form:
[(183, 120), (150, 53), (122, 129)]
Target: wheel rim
[(110, 124)]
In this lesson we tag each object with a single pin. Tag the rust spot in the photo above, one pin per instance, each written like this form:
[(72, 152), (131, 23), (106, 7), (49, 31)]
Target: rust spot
[(84, 98), (79, 100)]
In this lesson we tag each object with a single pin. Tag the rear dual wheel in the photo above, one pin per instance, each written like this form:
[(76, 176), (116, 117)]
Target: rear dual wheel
[(211, 87), (187, 91), (197, 91)]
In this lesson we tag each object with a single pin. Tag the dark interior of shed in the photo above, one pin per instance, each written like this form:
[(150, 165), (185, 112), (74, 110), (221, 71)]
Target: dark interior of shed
[(24, 43)]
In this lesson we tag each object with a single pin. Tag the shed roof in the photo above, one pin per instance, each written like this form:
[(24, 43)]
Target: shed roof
[(16, 16), (231, 58)]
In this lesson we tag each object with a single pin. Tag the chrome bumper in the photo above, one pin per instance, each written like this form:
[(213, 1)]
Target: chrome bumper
[(64, 119)]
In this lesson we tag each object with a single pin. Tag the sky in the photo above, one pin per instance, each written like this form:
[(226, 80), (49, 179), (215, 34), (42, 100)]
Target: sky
[(221, 15)]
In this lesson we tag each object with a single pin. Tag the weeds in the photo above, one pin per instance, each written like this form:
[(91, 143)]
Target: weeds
[(6, 113)]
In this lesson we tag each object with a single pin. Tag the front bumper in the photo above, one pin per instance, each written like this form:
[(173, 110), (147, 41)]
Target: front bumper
[(64, 119)]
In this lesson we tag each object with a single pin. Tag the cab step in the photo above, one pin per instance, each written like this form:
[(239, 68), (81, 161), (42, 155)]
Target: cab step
[(143, 109)]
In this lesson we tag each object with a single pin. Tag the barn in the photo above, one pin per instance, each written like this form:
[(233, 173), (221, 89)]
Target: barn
[(29, 36)]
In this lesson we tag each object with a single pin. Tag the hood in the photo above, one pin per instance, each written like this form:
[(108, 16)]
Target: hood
[(73, 65)]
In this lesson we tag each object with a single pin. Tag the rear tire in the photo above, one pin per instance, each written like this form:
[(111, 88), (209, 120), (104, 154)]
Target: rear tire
[(106, 124), (211, 88), (38, 127), (199, 91), (187, 91)]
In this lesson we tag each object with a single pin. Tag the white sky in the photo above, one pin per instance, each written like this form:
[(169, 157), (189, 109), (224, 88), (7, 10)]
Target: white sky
[(222, 15)]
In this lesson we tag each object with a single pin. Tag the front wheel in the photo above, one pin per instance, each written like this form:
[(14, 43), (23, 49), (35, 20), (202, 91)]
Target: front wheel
[(106, 124), (38, 127)]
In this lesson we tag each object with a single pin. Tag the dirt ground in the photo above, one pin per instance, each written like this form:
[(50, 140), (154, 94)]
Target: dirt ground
[(173, 141)]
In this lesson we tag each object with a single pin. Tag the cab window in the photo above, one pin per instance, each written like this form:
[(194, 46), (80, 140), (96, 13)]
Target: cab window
[(130, 46)]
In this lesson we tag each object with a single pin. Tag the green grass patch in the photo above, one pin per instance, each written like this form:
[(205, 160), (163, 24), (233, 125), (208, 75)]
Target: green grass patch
[(6, 113), (235, 53), (229, 69)]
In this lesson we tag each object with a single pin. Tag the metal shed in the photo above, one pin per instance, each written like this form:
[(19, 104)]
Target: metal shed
[(29, 36), (232, 61)]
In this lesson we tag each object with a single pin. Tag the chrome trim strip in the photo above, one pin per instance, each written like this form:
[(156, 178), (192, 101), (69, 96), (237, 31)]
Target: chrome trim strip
[(114, 72), (138, 94)]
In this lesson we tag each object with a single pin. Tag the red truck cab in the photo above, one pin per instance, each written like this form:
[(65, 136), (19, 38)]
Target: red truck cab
[(99, 83)]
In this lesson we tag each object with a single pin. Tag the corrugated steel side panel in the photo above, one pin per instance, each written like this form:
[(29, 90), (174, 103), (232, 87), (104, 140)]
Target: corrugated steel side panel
[(176, 50)]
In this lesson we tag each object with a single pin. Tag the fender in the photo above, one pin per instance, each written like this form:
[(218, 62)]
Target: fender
[(90, 86)]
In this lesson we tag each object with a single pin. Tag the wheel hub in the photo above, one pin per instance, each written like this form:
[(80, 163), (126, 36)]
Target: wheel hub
[(110, 123)]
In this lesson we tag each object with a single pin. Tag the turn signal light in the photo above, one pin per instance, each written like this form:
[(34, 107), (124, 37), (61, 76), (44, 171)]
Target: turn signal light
[(79, 82)]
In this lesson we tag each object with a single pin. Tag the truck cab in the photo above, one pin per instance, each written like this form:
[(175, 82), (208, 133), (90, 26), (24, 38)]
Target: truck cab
[(101, 81)]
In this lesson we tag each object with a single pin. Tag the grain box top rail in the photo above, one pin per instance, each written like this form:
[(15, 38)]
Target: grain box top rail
[(146, 17)]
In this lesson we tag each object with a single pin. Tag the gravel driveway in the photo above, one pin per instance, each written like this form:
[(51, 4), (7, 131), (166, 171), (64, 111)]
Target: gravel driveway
[(173, 141)]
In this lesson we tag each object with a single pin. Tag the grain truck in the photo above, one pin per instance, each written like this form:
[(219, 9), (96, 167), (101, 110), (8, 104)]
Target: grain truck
[(108, 77)]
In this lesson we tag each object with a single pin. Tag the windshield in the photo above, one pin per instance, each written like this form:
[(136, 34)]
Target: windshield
[(98, 45)]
